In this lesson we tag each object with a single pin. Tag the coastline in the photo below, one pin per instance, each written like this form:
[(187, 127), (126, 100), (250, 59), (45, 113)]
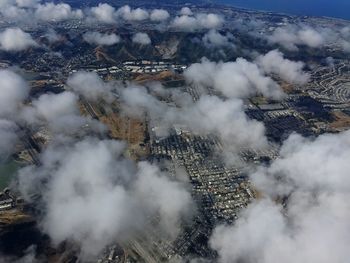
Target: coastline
[(286, 13)]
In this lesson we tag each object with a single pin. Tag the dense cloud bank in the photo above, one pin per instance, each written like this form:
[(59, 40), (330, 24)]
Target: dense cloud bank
[(313, 174)]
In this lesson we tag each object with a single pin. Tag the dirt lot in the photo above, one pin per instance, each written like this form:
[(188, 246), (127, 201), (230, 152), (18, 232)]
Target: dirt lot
[(14, 217), (164, 77), (120, 127), (342, 121)]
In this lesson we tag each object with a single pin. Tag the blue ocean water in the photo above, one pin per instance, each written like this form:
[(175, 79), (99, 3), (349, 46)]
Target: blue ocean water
[(330, 8)]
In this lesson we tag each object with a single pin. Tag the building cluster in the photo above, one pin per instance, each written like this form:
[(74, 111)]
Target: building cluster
[(331, 85), (113, 254), (124, 70), (146, 66), (220, 192), (101, 71), (8, 200)]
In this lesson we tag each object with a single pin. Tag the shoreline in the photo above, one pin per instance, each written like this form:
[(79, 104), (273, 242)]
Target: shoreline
[(280, 12)]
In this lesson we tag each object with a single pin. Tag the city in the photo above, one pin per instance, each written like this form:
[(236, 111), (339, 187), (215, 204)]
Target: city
[(158, 146)]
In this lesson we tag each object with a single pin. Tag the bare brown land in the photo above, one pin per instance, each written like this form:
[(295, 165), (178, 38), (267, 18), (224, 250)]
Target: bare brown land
[(14, 217), (286, 87), (120, 127), (101, 55), (163, 76), (342, 121)]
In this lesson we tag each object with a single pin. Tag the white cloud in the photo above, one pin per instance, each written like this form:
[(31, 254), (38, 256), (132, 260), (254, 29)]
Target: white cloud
[(60, 113), (15, 39), (98, 38), (184, 22), (32, 12), (129, 14), (104, 13), (52, 36), (226, 119), (239, 79), (311, 37), (208, 115), (284, 38), (159, 15), (308, 171), (57, 12), (95, 196), (13, 91), (313, 176), (27, 3), (90, 86), (16, 14), (256, 227), (346, 45), (290, 71), (209, 20), (141, 38), (290, 37), (186, 11), (214, 39), (197, 22), (52, 106)]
